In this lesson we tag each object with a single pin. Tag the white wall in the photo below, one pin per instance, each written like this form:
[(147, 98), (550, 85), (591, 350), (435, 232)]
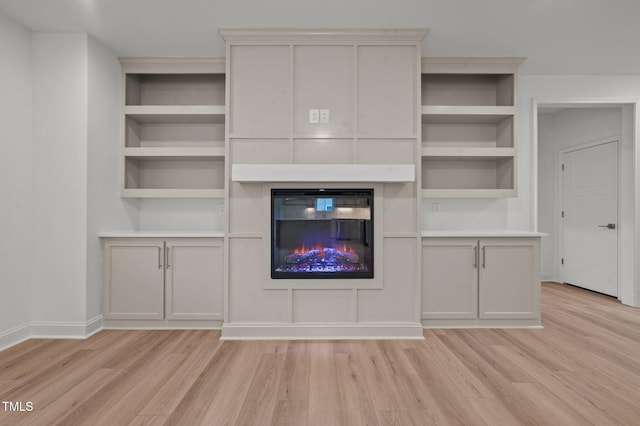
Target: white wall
[(181, 214), (546, 201), (627, 220), (58, 264), (558, 37), (106, 211), (621, 89), (15, 181), (76, 179), (568, 128)]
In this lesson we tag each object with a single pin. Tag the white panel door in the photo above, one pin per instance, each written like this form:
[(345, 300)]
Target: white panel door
[(134, 280), (509, 284), (450, 278), (194, 279), (590, 205)]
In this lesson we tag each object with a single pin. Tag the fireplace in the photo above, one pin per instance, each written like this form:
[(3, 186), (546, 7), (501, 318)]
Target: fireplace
[(321, 233)]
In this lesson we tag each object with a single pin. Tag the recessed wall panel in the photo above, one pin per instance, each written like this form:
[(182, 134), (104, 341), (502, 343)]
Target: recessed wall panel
[(324, 79), (248, 301), (260, 90), (259, 151), (246, 207), (396, 300), (323, 151), (387, 92), (386, 151), (324, 306), (400, 207)]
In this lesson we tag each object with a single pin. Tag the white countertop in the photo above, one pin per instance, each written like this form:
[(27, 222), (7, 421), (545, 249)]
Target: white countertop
[(161, 234), (483, 233)]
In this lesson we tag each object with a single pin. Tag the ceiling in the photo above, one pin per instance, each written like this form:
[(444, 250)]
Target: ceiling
[(557, 36)]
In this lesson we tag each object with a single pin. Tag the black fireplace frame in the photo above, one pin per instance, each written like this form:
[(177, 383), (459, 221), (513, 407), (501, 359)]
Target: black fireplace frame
[(324, 192)]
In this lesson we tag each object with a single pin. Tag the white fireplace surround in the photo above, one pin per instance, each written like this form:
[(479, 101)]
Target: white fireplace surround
[(370, 81), (323, 173)]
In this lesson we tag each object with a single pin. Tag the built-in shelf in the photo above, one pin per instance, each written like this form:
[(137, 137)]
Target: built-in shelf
[(323, 173), (194, 82), (176, 114), (195, 153), (468, 176), (468, 193), (174, 128), (446, 152), (463, 88), (452, 114), (172, 193), (468, 138)]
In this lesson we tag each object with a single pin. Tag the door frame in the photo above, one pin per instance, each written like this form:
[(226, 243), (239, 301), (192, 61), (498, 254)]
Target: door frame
[(628, 296), (560, 202)]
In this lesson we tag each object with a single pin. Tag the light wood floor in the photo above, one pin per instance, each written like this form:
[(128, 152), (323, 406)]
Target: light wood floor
[(582, 368)]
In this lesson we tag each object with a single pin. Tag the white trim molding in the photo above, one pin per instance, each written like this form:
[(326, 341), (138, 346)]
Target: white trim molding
[(50, 330), (66, 329), (14, 336), (236, 35), (341, 331)]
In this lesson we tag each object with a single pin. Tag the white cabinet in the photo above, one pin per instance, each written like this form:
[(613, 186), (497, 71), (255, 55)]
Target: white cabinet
[(193, 279), (509, 278), (468, 135), (162, 280), (450, 279), (173, 128), (134, 280), (481, 282)]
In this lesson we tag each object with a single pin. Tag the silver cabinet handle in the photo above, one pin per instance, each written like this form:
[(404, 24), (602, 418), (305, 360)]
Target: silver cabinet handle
[(168, 256), (475, 257), (159, 257), (484, 257)]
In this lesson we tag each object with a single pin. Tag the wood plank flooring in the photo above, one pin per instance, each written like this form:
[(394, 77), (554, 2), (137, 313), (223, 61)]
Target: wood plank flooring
[(583, 368)]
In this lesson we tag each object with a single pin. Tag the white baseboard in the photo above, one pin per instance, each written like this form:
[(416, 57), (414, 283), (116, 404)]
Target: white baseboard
[(93, 326), (50, 330), (66, 330), (250, 331), (15, 335)]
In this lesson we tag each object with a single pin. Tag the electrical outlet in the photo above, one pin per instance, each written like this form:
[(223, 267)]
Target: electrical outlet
[(324, 115), (314, 116), (221, 208), (435, 208)]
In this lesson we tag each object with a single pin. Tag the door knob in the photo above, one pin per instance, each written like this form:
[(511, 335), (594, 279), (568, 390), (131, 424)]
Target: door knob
[(608, 226)]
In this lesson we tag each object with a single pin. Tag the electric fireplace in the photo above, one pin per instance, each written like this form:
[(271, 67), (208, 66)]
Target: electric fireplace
[(321, 233)]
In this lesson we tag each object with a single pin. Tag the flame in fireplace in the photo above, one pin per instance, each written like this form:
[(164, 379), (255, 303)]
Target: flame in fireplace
[(319, 259), (318, 247)]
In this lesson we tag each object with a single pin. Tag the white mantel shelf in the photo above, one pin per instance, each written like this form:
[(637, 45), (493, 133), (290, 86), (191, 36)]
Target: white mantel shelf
[(323, 173), (491, 233)]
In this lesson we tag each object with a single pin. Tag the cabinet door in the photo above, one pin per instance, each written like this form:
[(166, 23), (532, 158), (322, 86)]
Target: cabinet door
[(449, 278), (194, 279), (134, 280), (509, 286)]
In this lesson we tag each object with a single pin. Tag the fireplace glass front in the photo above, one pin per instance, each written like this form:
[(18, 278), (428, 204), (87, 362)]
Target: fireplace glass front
[(321, 233)]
